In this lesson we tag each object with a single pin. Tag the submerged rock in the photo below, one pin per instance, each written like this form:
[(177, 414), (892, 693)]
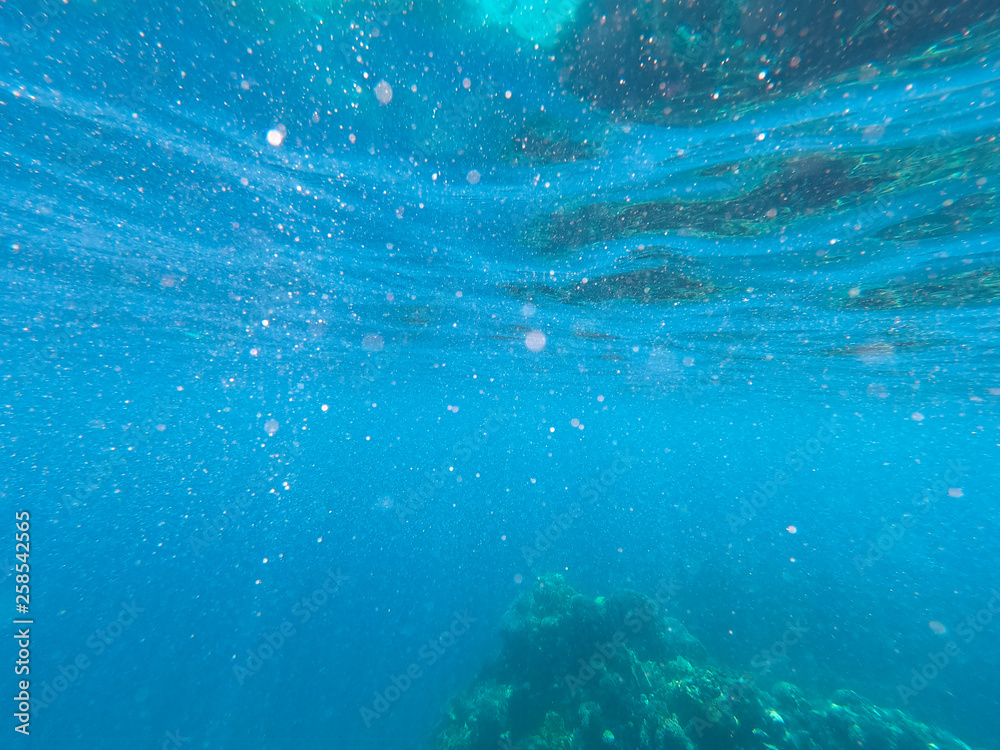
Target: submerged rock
[(575, 673), (652, 58), (979, 287)]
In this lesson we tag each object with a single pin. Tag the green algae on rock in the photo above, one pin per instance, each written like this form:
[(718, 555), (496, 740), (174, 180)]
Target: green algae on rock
[(754, 196), (967, 214), (575, 673), (657, 59), (668, 283), (545, 139), (780, 187), (978, 287)]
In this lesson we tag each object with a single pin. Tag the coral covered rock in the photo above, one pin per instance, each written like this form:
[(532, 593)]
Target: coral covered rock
[(576, 673)]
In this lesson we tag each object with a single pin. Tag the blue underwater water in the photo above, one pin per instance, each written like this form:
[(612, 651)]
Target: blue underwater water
[(327, 329)]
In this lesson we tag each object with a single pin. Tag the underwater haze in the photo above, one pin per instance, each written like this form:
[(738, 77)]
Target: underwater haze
[(456, 375)]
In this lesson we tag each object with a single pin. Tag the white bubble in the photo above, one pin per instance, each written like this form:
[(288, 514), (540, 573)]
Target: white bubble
[(372, 342), (276, 136), (473, 177), (383, 92), (527, 310), (535, 341), (271, 426)]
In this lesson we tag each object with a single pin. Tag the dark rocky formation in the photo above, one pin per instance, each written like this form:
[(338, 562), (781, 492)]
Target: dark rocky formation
[(576, 673)]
